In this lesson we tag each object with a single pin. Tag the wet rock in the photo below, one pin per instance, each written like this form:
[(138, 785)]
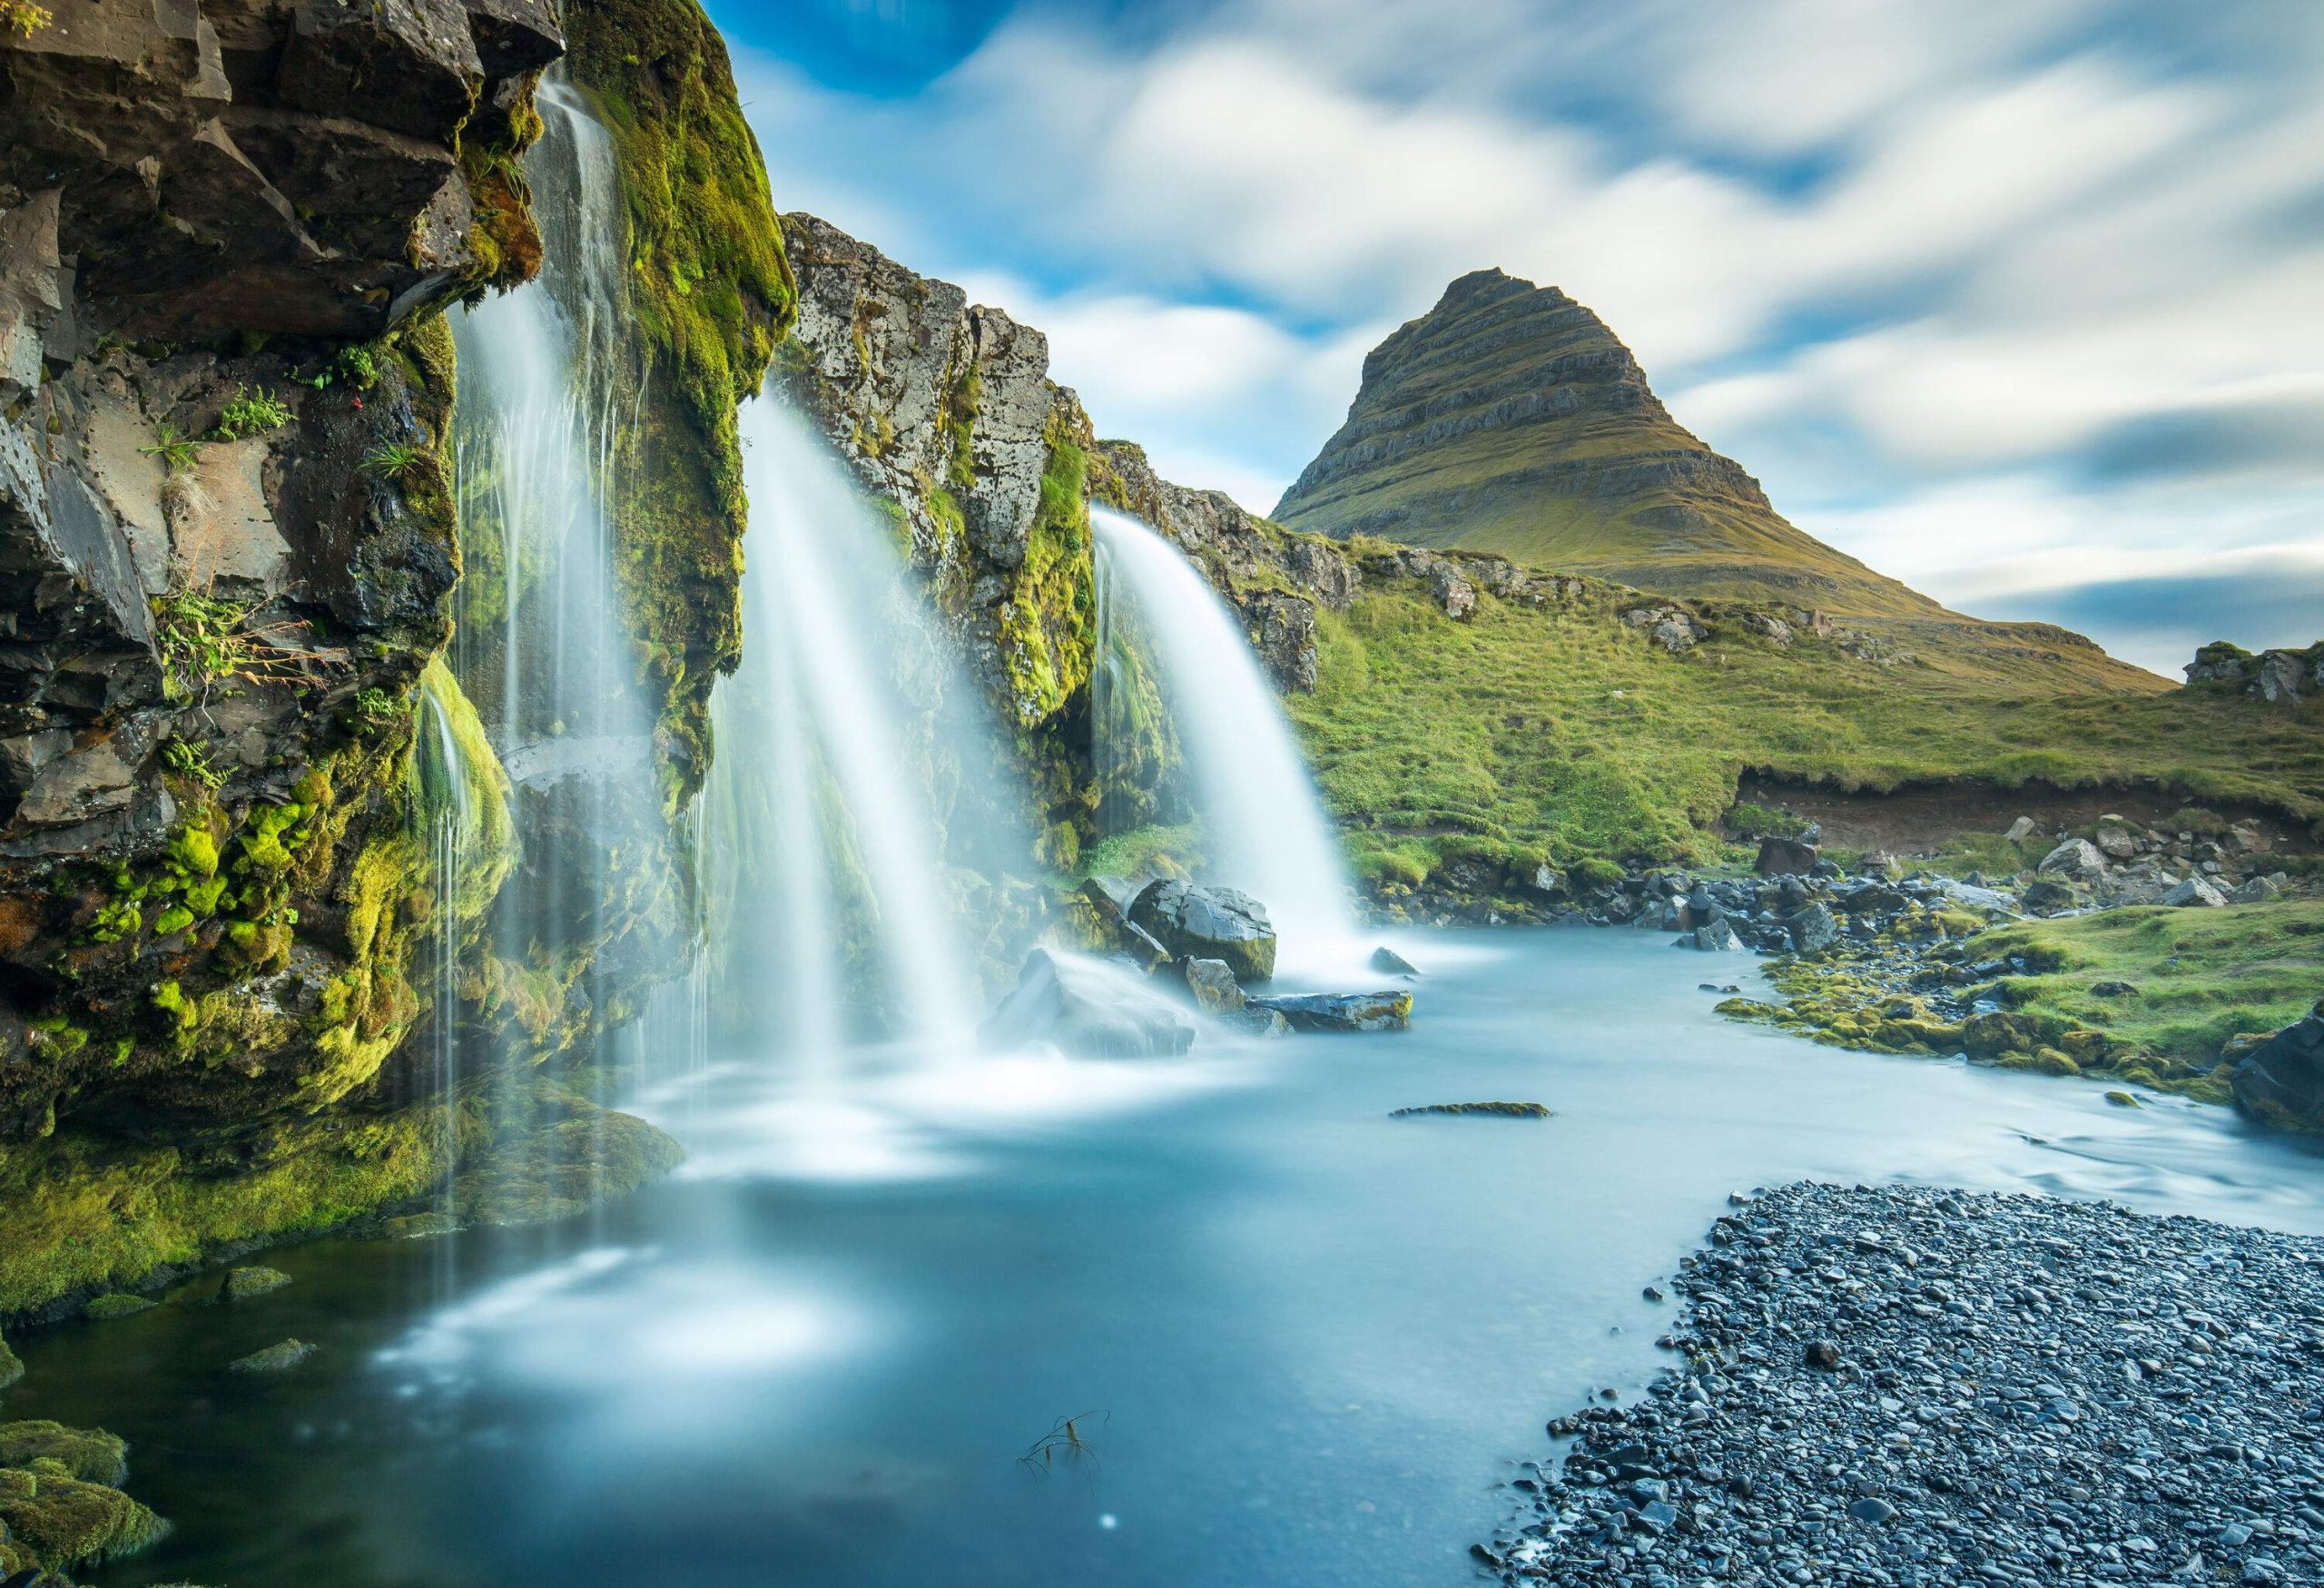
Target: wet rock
[(1821, 1354), (1258, 1022), (1384, 957), (275, 1359), (1213, 985), (116, 1304), (1813, 930), (1715, 937), (1504, 1110), (1087, 1008), (1195, 921), (2282, 1081), (1342, 1012)]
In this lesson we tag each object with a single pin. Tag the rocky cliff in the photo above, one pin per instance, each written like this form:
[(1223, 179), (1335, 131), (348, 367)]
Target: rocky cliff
[(227, 542), (945, 409), (1511, 418)]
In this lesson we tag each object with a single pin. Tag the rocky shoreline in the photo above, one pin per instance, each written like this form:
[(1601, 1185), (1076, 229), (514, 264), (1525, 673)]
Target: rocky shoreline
[(1908, 1386)]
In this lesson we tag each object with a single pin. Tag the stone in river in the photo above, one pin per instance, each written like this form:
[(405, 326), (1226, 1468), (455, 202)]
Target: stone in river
[(1213, 986), (1387, 959), (1087, 1007), (1342, 1012), (276, 1359), (1197, 922)]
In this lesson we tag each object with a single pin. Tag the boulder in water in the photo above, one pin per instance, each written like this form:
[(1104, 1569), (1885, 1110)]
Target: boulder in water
[(1087, 1007), (1213, 985), (1342, 1012), (1197, 922), (1506, 1110), (276, 1359), (1384, 957), (2282, 1081)]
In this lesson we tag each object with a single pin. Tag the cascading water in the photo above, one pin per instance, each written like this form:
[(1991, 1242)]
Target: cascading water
[(539, 646), (1264, 828), (832, 904)]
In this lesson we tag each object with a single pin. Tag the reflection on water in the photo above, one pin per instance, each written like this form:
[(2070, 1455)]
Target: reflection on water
[(1311, 1338)]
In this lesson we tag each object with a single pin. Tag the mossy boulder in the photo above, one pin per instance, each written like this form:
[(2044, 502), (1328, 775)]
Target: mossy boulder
[(115, 1303), (243, 1284), (279, 1358), (12, 1371), (54, 1520), (91, 1455)]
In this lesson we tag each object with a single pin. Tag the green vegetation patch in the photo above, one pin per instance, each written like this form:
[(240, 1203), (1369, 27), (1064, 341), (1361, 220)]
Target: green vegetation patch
[(1562, 730), (2201, 978)]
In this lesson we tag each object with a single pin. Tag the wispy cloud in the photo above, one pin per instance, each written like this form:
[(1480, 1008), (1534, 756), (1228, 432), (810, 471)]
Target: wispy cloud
[(1925, 269)]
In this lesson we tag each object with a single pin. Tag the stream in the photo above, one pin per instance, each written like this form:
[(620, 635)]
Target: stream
[(1301, 1342)]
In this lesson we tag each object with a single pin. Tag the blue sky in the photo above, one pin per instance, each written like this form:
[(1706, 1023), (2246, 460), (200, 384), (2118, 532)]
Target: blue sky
[(2022, 302)]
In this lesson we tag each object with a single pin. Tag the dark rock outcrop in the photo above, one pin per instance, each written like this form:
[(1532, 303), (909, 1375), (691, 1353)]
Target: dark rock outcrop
[(1196, 922), (2282, 1081), (2280, 677)]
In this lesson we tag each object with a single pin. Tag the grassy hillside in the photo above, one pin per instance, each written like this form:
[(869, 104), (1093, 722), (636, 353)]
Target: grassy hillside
[(1562, 731), (1509, 418)]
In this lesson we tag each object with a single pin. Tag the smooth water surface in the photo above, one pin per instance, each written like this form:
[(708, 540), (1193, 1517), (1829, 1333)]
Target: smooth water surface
[(1301, 1341)]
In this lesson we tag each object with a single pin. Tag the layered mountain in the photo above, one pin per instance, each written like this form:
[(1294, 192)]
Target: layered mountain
[(1511, 418)]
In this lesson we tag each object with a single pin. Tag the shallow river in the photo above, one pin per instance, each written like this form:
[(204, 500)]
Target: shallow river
[(1301, 1342)]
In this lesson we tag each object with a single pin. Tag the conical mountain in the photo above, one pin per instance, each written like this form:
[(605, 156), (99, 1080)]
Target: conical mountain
[(1509, 418)]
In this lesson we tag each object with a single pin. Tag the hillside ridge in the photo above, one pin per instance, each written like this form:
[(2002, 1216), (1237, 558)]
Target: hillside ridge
[(1511, 418)]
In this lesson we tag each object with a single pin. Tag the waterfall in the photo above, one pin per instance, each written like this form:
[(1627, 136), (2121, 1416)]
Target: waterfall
[(843, 741), (1263, 827), (539, 646)]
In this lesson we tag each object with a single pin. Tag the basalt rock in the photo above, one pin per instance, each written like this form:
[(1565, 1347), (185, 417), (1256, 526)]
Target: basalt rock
[(1209, 923), (2282, 1081), (1342, 1012)]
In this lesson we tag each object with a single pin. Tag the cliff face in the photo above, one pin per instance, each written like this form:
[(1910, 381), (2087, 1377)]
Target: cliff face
[(224, 521), (710, 295), (227, 542), (946, 410)]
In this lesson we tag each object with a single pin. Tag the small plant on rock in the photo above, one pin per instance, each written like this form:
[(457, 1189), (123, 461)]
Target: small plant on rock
[(393, 460), (204, 638), (374, 706), (184, 758), (176, 452), (252, 414), (24, 18)]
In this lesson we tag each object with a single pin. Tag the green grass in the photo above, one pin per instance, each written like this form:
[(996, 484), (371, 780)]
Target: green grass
[(2204, 975), (1561, 730)]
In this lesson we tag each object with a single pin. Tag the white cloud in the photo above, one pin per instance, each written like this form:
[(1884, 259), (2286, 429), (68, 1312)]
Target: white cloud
[(1908, 262)]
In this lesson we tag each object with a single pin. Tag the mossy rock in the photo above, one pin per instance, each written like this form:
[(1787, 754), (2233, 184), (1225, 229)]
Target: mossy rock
[(118, 1304), (90, 1455), (279, 1358), (242, 1284), (57, 1521), (2121, 1100), (12, 1371)]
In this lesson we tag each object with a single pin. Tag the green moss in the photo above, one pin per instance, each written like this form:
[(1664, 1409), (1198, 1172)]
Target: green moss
[(246, 1284), (1047, 631), (62, 1522), (115, 1305), (472, 791), (79, 1212), (90, 1455), (12, 1370), (2202, 976), (710, 294)]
